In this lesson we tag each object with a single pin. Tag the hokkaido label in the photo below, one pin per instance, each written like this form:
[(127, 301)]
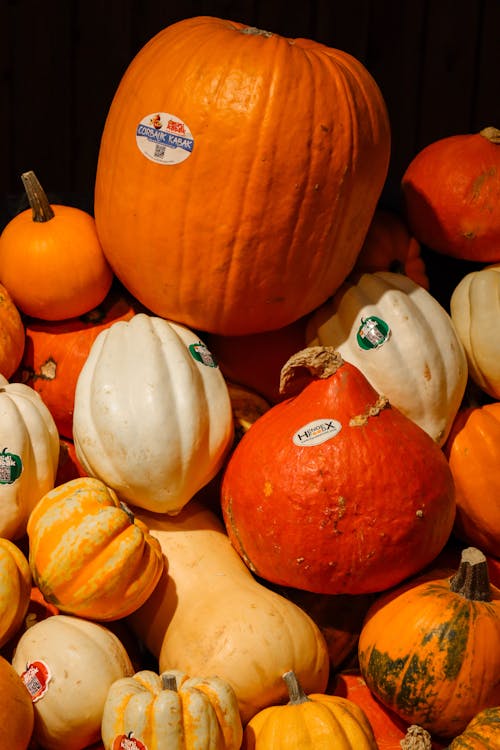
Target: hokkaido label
[(164, 138), (316, 432), (202, 354), (372, 333), (11, 467), (36, 677)]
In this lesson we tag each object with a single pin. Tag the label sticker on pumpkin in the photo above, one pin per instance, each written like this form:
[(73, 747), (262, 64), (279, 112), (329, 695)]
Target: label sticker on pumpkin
[(164, 138), (127, 742), (316, 432), (36, 677), (201, 353), (11, 467), (372, 333)]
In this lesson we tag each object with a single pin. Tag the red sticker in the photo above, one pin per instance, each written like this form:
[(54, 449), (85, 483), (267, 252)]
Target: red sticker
[(36, 677), (127, 742)]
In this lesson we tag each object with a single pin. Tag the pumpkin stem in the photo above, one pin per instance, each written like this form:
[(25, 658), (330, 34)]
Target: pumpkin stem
[(416, 738), (307, 364), (168, 681), (471, 579), (491, 134), (295, 691), (256, 32), (40, 206), (359, 420)]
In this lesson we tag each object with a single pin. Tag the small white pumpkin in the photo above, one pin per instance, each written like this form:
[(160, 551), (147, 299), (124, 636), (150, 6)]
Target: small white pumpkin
[(475, 311), (68, 665), (172, 710), (29, 454), (152, 415), (403, 341)]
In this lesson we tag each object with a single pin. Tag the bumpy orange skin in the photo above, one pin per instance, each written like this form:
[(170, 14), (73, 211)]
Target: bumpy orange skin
[(264, 218), (451, 192), (321, 517), (432, 655), (88, 555)]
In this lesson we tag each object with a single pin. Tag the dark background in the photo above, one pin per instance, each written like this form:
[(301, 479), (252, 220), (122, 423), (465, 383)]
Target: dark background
[(437, 63)]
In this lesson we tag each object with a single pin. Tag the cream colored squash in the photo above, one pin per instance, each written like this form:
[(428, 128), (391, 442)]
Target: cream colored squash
[(172, 710), (403, 341), (29, 454), (68, 665), (475, 311), (152, 416), (209, 616)]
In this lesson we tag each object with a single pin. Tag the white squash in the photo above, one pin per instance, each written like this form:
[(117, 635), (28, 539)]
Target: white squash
[(29, 454), (68, 665), (172, 710), (152, 415), (403, 341), (475, 311)]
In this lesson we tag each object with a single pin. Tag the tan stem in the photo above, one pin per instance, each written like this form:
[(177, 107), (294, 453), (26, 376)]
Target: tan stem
[(491, 134), (359, 420), (303, 366), (472, 580), (295, 692), (256, 32), (168, 681), (40, 206), (416, 738)]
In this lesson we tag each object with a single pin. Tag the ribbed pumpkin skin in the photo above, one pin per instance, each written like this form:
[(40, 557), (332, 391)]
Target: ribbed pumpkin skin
[(88, 555), (15, 588), (12, 334), (432, 655), (291, 147), (482, 732), (322, 517), (473, 451)]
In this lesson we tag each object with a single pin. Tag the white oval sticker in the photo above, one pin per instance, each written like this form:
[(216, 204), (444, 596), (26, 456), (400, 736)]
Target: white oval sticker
[(316, 432), (164, 138)]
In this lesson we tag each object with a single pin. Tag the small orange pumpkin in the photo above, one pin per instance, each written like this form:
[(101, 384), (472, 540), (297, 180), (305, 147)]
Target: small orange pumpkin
[(12, 335), (451, 191), (51, 261), (430, 649), (481, 733), (390, 246)]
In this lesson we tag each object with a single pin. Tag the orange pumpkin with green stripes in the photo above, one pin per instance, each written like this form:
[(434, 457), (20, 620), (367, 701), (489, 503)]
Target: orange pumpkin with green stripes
[(430, 650), (88, 554), (481, 733)]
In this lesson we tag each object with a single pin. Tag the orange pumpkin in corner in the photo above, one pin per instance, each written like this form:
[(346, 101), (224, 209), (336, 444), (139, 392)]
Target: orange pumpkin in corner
[(451, 191), (17, 714), (51, 260), (12, 334)]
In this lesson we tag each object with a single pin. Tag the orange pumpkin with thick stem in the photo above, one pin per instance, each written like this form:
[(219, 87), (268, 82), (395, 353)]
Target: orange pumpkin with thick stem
[(430, 649), (308, 494), (451, 190), (473, 451), (56, 350), (390, 246), (233, 194), (51, 261), (12, 334)]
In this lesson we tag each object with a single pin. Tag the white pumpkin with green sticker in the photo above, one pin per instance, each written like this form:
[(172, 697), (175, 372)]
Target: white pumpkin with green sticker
[(152, 415), (29, 454), (402, 340)]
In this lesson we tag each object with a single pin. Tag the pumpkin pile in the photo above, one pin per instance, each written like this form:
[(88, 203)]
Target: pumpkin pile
[(249, 453)]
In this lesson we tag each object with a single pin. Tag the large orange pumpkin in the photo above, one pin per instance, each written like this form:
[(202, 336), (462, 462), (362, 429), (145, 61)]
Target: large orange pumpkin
[(51, 260), (473, 451), (451, 192), (56, 350), (238, 173), (333, 490)]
